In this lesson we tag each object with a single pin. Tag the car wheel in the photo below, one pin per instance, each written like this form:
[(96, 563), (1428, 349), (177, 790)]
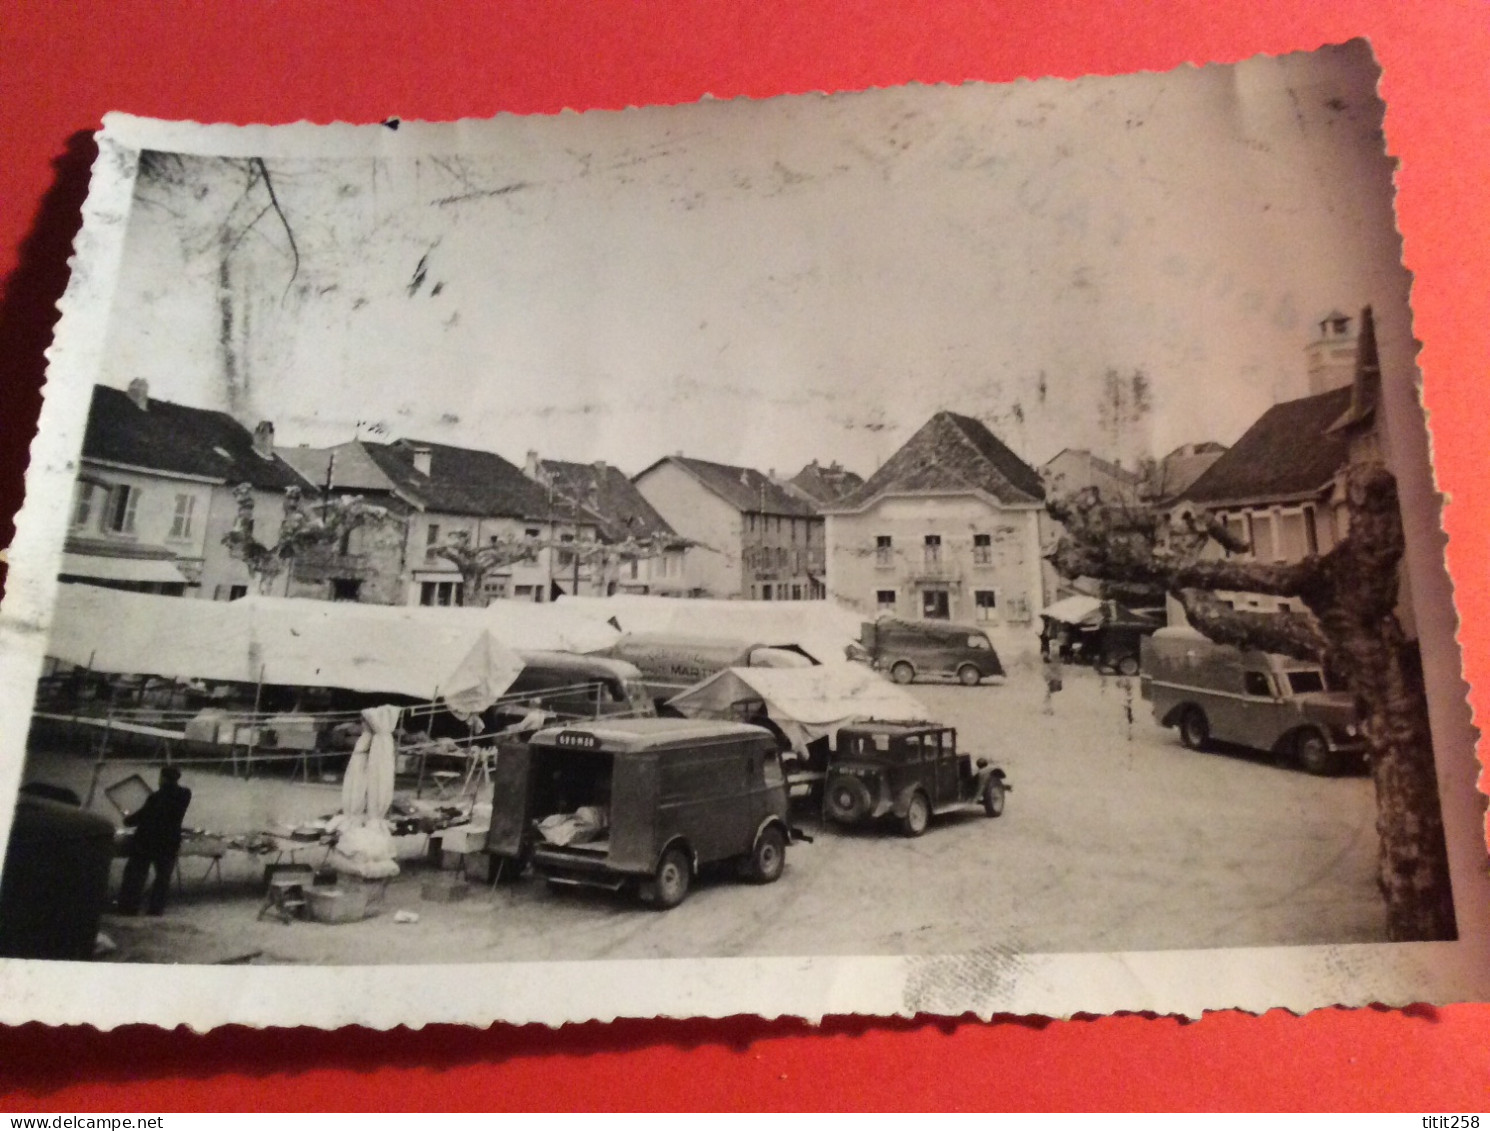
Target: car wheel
[(1128, 665), (669, 886), (969, 676), (993, 797), (768, 858), (847, 799), (1195, 729), (1314, 755), (902, 672), (917, 815)]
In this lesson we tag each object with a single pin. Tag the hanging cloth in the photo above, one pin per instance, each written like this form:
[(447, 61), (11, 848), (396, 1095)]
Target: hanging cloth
[(382, 722)]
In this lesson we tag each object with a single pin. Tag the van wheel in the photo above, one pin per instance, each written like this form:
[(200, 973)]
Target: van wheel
[(768, 858), (968, 675), (902, 672), (993, 797), (1314, 754), (1195, 729), (1128, 665), (917, 815), (669, 886)]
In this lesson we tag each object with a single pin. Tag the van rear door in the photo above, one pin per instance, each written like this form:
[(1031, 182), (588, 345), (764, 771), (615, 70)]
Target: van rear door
[(510, 800)]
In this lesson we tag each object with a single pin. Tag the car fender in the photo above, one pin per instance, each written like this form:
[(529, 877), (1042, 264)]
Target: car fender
[(903, 798), (1173, 717), (679, 841), (766, 823)]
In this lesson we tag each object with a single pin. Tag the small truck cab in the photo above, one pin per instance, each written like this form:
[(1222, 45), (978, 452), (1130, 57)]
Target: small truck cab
[(641, 803), (1217, 693), (908, 770)]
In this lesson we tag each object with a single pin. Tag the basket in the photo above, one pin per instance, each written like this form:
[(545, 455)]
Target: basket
[(338, 904)]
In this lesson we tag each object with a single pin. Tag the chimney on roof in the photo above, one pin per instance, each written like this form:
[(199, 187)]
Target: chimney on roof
[(139, 392), (264, 439), (422, 460)]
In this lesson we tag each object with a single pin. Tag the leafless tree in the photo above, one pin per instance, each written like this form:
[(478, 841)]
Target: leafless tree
[(302, 530)]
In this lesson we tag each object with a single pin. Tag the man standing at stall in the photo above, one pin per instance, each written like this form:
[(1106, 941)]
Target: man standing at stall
[(157, 840)]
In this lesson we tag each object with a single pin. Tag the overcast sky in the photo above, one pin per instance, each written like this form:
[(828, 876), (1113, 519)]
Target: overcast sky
[(769, 282)]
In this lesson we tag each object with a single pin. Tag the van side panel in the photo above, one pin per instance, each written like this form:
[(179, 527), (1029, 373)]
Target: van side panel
[(510, 800), (634, 845)]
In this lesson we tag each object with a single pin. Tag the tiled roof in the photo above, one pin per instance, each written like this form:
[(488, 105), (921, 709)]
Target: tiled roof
[(353, 470), (956, 453), (606, 491), (178, 438), (826, 484), (744, 488), (470, 482), (1288, 454)]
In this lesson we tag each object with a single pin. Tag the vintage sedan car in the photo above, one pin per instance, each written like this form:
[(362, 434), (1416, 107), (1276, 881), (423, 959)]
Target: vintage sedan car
[(909, 771)]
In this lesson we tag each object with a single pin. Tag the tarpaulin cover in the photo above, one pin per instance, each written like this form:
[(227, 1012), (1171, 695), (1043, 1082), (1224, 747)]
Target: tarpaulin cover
[(487, 670), (1072, 610), (405, 650), (807, 703), (823, 629)]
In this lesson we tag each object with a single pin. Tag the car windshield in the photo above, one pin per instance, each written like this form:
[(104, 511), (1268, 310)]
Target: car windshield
[(1305, 681)]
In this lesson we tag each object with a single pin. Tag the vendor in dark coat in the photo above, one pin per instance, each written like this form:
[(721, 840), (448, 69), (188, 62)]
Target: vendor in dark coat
[(157, 840)]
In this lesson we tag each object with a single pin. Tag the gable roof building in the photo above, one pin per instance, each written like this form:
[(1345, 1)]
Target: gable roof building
[(606, 491), (754, 538), (132, 430), (1289, 454), (823, 485), (743, 488), (951, 453), (947, 529), (153, 498)]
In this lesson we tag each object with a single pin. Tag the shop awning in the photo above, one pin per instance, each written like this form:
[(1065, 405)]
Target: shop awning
[(150, 570), (1072, 610)]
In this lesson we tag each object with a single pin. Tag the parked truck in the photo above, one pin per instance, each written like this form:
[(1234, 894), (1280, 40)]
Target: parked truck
[(1217, 693), (672, 662), (921, 649)]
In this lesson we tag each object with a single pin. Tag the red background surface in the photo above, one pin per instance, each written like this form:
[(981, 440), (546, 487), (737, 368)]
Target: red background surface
[(63, 66)]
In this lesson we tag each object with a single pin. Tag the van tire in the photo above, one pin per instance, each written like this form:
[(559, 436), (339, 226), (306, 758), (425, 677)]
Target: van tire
[(768, 857), (969, 676), (846, 799), (1314, 755), (993, 797), (902, 671), (917, 815), (1195, 729), (669, 886)]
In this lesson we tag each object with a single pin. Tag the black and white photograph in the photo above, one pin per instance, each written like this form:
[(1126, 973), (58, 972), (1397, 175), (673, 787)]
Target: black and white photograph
[(937, 549)]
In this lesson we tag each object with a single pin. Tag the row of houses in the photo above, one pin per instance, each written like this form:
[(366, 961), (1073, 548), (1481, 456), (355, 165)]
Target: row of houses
[(952, 526)]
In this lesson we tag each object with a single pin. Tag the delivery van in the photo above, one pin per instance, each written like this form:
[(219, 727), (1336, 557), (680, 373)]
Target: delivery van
[(673, 662), (922, 649), (641, 803), (1217, 693)]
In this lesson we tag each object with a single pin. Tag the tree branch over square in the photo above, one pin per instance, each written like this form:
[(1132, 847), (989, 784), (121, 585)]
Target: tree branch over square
[(1351, 627)]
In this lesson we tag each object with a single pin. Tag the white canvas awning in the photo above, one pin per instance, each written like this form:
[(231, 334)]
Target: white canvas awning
[(806, 703), (138, 570), (1072, 610), (373, 648), (823, 629)]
